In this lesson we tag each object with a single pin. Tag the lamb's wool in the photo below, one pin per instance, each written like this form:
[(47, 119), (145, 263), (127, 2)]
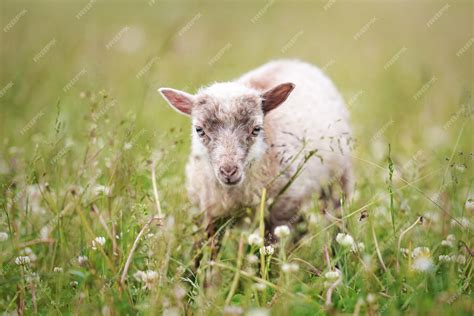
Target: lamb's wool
[(314, 113)]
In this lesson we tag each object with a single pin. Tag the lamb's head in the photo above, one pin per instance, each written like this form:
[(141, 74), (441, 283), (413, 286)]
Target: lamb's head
[(228, 124)]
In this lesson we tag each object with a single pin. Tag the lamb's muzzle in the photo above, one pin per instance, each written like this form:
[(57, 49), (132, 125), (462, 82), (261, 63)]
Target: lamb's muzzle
[(247, 135)]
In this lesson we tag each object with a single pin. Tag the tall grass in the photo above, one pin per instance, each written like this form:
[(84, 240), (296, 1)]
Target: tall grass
[(94, 214)]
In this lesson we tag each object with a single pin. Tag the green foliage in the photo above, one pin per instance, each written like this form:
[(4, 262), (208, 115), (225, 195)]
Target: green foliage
[(77, 148)]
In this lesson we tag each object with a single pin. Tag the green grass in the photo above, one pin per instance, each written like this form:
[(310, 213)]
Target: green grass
[(76, 157)]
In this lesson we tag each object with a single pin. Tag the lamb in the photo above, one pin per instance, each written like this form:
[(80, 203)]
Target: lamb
[(282, 126)]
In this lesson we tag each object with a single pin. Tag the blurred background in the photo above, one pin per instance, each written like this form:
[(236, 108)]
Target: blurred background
[(81, 119), (405, 65)]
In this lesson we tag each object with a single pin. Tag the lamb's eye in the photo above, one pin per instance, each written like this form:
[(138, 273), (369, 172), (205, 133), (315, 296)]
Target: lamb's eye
[(256, 130), (200, 131)]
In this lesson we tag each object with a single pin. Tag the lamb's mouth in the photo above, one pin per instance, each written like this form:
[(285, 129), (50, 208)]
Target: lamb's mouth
[(230, 182)]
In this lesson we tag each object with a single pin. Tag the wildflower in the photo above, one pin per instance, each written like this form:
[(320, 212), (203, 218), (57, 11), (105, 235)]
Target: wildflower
[(371, 298), (444, 258), (345, 240), (127, 146), (252, 259), (267, 250), (3, 236), (282, 231), (148, 277), (422, 261), (233, 310), (44, 232), (22, 260), (332, 277), (29, 253), (449, 242), (98, 241), (255, 239), (461, 259), (171, 311), (258, 312), (82, 260), (405, 252), (101, 189), (179, 292), (358, 247), (259, 286), (432, 216), (290, 267), (461, 168), (74, 284), (57, 269), (464, 222), (470, 205)]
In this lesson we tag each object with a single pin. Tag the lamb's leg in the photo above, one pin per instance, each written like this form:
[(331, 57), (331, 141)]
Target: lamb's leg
[(284, 211)]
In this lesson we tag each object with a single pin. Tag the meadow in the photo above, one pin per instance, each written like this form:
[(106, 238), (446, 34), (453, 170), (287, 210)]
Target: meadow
[(94, 212)]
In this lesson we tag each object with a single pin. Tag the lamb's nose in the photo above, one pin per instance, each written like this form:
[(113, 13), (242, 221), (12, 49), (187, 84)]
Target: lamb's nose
[(228, 170)]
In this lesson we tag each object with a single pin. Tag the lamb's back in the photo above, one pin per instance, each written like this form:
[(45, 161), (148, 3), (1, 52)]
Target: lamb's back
[(314, 111)]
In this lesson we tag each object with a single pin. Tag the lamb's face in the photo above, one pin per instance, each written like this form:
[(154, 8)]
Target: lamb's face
[(227, 123), (229, 131)]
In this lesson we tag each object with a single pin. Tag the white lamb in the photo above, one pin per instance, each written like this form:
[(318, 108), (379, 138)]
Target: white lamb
[(282, 126)]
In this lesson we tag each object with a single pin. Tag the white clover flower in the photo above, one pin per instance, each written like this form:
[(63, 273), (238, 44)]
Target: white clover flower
[(333, 275), (101, 189), (258, 311), (422, 261), (233, 310), (444, 258), (290, 267), (148, 277), (259, 286), (465, 222), (282, 231), (405, 252), (57, 269), (449, 242), (358, 247), (470, 205), (371, 298), (127, 146), (22, 260), (267, 250), (3, 236), (420, 251), (28, 252), (252, 258), (179, 292), (82, 260), (170, 311), (432, 216), (461, 259), (98, 241), (44, 232), (255, 239), (345, 240)]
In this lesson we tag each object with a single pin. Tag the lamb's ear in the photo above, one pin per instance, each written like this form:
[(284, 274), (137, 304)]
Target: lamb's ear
[(179, 100), (276, 96)]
